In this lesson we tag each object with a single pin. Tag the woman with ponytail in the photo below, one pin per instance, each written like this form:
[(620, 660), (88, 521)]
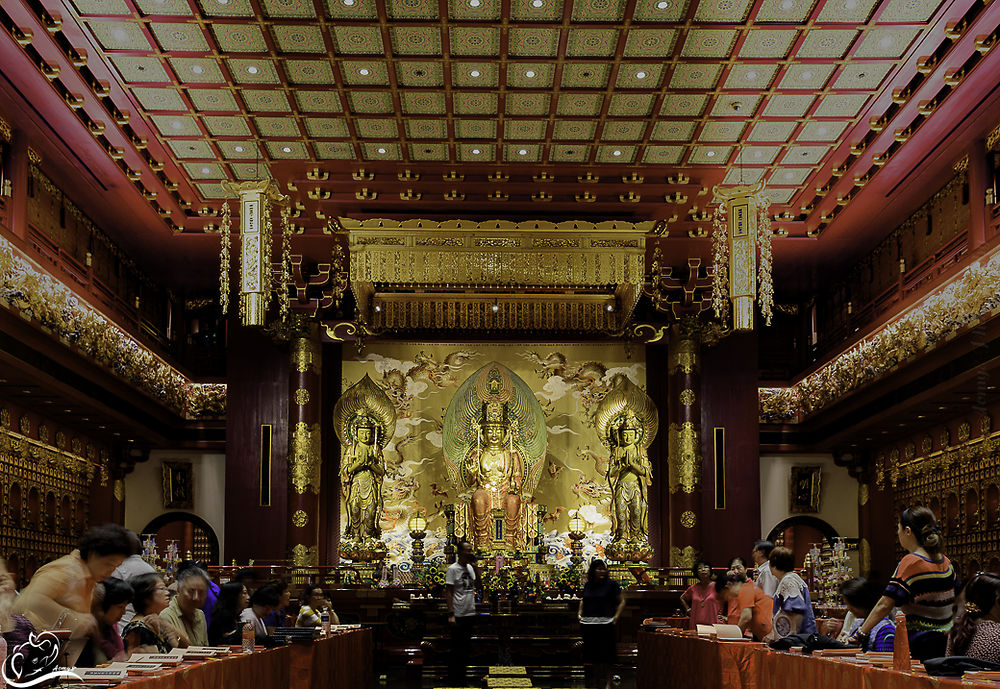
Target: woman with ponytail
[(923, 587), (977, 630)]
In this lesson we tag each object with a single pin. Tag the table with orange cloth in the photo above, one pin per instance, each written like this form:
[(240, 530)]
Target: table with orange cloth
[(687, 662), (341, 661)]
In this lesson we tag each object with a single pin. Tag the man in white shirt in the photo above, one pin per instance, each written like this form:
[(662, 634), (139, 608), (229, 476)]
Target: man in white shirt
[(133, 566), (766, 581), (460, 595)]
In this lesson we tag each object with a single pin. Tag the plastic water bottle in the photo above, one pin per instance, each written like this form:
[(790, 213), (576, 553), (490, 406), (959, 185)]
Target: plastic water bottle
[(324, 619), (248, 637), (901, 646)]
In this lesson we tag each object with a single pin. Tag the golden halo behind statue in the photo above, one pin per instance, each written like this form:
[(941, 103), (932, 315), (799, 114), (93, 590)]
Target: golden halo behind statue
[(364, 402), (626, 402)]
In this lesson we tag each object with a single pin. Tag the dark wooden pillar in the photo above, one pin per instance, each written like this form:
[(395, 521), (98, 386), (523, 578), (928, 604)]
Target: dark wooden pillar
[(731, 504), (876, 527), (18, 172), (329, 492), (304, 442), (657, 373), (684, 443), (978, 183), (256, 443)]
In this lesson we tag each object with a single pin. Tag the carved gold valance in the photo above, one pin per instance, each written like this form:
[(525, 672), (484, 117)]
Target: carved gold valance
[(496, 275)]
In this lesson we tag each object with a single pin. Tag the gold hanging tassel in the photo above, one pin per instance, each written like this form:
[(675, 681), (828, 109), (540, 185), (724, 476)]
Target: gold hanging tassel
[(720, 264), (765, 284), (224, 258), (286, 264)]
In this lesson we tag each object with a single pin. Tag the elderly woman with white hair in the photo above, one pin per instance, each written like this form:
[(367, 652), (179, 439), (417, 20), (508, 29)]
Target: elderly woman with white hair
[(184, 611)]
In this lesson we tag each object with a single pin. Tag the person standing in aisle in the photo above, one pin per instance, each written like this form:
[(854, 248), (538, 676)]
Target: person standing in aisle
[(600, 607), (460, 595), (765, 579)]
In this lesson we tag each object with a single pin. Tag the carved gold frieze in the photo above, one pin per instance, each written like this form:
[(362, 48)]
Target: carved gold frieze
[(687, 397), (683, 557), (496, 275), (688, 519), (301, 397), (305, 556), (299, 518), (304, 458), (683, 457)]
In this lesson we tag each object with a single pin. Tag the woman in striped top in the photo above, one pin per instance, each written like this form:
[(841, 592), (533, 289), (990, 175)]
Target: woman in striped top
[(923, 587)]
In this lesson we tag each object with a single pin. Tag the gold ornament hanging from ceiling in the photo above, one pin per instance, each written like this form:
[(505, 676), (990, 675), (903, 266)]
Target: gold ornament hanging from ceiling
[(742, 255), (256, 238)]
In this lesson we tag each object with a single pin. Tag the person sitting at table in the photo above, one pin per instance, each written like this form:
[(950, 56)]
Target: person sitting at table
[(111, 597), (15, 628), (314, 601), (262, 603), (923, 586), (225, 628), (59, 594), (793, 610), (861, 596), (699, 600), (279, 617), (184, 610), (976, 632), (147, 632), (749, 607)]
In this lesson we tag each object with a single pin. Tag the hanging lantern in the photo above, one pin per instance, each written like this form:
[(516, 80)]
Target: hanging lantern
[(255, 247), (742, 255)]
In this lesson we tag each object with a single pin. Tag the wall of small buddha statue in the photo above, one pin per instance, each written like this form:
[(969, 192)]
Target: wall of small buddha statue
[(955, 470), (54, 484)]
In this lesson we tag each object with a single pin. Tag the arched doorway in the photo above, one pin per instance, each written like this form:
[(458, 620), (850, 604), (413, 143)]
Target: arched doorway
[(799, 533), (191, 532)]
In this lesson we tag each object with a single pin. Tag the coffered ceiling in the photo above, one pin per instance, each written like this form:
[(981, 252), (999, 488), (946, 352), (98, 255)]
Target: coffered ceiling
[(719, 90)]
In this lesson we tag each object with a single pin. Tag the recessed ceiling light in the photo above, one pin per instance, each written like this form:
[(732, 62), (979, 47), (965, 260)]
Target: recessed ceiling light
[(253, 70), (616, 152), (377, 307), (523, 152), (537, 3), (640, 75), (662, 5), (495, 307), (177, 124), (475, 73), (610, 307), (711, 154), (476, 151), (530, 74), (380, 150), (238, 149), (475, 3), (223, 2), (197, 69), (787, 4), (205, 170), (287, 149), (349, 3), (751, 75), (364, 71), (758, 154)]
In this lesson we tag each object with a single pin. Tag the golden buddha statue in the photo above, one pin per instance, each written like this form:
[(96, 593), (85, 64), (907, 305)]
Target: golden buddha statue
[(496, 470), (627, 421), (494, 441), (364, 420)]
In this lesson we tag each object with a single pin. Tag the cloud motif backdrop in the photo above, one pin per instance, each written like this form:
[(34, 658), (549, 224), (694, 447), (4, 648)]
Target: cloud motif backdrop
[(569, 381)]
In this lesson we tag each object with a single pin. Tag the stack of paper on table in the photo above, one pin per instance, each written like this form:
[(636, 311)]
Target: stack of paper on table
[(97, 675), (729, 632), (175, 657)]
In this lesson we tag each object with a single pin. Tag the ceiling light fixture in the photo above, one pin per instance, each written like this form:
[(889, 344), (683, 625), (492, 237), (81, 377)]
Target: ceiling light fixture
[(711, 154), (616, 152), (495, 307), (476, 151), (287, 149), (523, 152), (530, 74), (364, 71), (610, 307), (253, 70), (177, 124), (851, 4), (380, 150), (475, 3), (751, 75), (640, 75), (349, 3), (537, 3), (378, 308), (662, 5), (787, 4), (205, 170), (475, 73), (238, 149), (223, 2), (197, 69)]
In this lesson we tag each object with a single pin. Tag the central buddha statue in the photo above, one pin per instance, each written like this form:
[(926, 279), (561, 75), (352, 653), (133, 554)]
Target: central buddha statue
[(494, 441)]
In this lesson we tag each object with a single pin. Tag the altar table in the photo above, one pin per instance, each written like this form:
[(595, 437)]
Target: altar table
[(342, 661), (668, 661)]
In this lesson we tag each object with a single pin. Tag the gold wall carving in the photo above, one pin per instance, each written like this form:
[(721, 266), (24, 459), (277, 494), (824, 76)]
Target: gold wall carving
[(688, 519), (683, 557), (969, 296), (683, 457), (498, 275), (34, 294), (305, 355), (685, 356), (301, 397), (304, 457), (305, 556), (687, 397), (299, 518)]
